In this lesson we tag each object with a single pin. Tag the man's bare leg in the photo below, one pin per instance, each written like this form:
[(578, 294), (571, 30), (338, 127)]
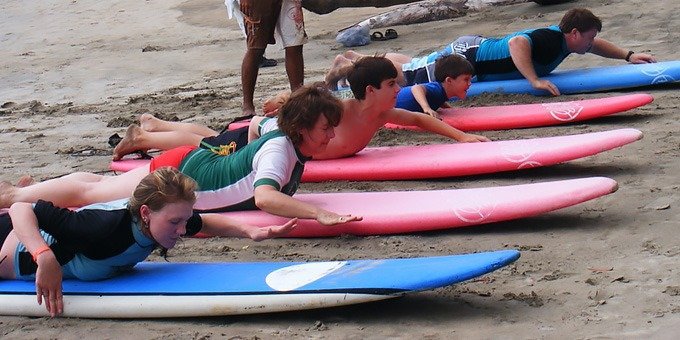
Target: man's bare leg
[(249, 69), (295, 67)]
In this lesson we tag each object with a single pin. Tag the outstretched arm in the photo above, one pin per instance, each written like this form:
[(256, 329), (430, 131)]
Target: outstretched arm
[(420, 94), (520, 52), (607, 49), (274, 202), (429, 123), (220, 225), (48, 275)]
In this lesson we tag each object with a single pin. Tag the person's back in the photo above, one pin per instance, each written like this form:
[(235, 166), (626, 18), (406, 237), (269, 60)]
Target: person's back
[(225, 183), (373, 82), (492, 59), (355, 131)]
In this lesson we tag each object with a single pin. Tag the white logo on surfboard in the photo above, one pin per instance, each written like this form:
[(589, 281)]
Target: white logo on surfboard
[(565, 111), (295, 276), (474, 208), (521, 154), (657, 71)]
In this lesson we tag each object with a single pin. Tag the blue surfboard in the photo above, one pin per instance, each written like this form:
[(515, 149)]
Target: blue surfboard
[(586, 80), (154, 289), (573, 81)]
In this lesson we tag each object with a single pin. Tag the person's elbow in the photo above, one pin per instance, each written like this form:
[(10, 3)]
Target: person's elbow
[(264, 200)]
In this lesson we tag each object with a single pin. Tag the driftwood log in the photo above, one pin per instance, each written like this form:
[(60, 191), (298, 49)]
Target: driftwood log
[(426, 11), (327, 6)]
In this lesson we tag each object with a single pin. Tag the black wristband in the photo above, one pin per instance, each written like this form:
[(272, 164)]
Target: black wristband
[(630, 53)]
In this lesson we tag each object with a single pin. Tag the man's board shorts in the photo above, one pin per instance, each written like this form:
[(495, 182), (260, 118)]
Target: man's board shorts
[(266, 17), (421, 70)]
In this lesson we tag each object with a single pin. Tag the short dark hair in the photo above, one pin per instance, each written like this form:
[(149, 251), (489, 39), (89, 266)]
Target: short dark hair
[(581, 19), (452, 66), (302, 110), (370, 71)]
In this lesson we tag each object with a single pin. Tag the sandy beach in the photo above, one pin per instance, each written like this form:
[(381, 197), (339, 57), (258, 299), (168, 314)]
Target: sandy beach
[(73, 73)]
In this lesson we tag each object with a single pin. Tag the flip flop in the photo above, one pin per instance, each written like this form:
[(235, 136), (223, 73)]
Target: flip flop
[(377, 36), (391, 34)]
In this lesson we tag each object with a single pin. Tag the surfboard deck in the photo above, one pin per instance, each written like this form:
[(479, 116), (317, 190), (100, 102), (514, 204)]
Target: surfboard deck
[(161, 290), (456, 159), (395, 212), (595, 79), (534, 115), (484, 118)]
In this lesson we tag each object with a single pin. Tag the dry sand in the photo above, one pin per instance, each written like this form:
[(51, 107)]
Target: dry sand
[(75, 72)]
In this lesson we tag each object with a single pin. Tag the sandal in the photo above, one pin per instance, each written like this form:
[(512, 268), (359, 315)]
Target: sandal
[(391, 34), (377, 36), (264, 62)]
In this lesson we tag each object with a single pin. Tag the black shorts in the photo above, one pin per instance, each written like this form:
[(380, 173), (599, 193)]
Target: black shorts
[(414, 77), (5, 227), (227, 142)]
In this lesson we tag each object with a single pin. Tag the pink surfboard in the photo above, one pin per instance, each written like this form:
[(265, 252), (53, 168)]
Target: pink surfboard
[(484, 118), (504, 117), (533, 115), (415, 211), (456, 159)]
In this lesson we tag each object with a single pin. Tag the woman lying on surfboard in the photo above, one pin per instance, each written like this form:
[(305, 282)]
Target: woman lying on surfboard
[(45, 243), (264, 174)]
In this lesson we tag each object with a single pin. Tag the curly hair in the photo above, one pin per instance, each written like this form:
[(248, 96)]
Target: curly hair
[(303, 108)]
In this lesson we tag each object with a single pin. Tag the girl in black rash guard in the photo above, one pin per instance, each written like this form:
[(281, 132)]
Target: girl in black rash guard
[(44, 243)]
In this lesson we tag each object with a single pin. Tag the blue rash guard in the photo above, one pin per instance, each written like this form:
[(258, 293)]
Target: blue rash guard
[(491, 58), (434, 93)]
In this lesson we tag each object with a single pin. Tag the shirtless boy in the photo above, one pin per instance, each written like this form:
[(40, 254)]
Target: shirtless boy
[(374, 84)]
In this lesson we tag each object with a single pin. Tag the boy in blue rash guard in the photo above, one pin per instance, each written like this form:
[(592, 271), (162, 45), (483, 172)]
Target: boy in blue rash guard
[(453, 75), (45, 243), (528, 54)]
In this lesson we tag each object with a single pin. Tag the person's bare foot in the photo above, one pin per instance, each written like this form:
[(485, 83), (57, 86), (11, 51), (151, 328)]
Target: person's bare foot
[(25, 181), (339, 69), (6, 194), (148, 122), (271, 106), (248, 112), (351, 55), (128, 143)]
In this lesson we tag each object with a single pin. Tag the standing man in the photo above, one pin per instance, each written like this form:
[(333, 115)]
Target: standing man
[(260, 19)]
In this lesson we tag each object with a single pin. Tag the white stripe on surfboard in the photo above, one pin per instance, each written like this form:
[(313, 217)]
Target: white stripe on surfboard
[(160, 306)]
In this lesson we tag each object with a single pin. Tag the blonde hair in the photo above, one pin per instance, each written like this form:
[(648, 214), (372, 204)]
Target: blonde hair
[(163, 186)]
